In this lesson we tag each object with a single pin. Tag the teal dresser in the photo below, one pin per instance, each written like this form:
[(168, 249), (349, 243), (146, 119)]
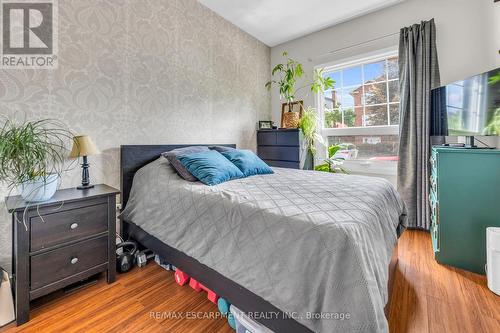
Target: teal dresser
[(465, 199)]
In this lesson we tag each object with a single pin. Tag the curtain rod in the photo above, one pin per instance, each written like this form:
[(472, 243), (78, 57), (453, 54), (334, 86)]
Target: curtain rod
[(354, 45)]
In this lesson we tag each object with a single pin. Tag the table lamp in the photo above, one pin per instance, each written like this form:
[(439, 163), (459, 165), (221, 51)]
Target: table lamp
[(83, 147)]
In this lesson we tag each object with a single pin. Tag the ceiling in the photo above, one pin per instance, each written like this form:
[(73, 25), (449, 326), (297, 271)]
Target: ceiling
[(277, 21)]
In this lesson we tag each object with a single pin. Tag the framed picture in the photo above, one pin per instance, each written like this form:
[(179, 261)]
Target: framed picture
[(265, 124)]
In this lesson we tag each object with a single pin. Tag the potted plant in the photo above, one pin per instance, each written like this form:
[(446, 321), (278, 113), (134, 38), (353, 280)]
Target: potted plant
[(333, 164), (288, 73), (32, 156)]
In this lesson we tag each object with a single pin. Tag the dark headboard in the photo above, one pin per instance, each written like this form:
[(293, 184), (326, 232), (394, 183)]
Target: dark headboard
[(134, 157)]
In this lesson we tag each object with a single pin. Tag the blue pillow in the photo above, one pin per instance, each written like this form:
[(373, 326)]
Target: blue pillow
[(210, 167), (249, 163), (220, 149)]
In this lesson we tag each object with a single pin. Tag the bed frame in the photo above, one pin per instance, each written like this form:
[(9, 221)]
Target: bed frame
[(133, 157)]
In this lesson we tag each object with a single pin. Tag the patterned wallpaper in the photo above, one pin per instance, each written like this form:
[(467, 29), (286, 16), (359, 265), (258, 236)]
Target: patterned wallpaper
[(143, 72)]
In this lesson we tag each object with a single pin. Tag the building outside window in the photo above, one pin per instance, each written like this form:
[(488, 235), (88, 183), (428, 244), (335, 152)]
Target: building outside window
[(362, 113)]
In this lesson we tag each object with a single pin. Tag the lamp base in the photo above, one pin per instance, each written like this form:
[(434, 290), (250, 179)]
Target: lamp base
[(84, 187)]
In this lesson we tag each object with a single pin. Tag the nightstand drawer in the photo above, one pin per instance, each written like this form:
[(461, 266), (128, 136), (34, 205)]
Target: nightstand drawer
[(66, 261), (56, 228)]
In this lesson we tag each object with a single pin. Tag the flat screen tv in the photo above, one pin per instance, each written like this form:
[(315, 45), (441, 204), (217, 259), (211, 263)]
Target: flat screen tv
[(469, 108)]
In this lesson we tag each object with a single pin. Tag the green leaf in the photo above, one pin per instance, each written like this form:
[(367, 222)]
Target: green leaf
[(328, 83), (494, 79), (332, 150), (298, 70), (277, 68), (322, 167)]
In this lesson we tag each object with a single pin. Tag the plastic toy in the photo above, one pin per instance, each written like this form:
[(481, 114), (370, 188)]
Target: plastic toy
[(231, 321), (180, 277), (212, 297), (223, 306)]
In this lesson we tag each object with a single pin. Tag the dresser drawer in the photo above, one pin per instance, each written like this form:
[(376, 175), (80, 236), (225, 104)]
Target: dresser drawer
[(288, 138), (56, 228), (66, 261), (278, 153), (266, 138), (283, 164)]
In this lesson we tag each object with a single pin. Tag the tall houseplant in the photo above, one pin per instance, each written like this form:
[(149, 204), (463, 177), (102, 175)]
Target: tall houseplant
[(288, 73), (32, 156)]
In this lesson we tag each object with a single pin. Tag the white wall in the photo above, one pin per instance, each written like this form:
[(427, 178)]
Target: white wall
[(468, 39)]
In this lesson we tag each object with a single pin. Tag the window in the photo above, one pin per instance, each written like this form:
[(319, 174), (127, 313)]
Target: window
[(361, 113)]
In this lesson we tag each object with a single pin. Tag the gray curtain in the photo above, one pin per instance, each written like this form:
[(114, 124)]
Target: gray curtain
[(418, 74)]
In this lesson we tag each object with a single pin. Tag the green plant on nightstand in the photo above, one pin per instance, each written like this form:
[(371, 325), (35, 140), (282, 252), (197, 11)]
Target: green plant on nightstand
[(333, 164), (32, 156)]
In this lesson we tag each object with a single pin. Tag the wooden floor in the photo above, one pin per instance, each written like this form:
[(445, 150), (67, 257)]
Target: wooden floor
[(427, 297)]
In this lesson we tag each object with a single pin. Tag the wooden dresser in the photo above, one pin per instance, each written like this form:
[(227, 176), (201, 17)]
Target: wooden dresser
[(282, 148), (61, 241), (465, 199)]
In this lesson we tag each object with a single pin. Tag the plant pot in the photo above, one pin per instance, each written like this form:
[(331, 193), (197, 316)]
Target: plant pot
[(291, 119), (40, 188)]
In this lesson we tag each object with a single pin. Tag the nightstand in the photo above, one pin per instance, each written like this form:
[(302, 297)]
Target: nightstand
[(61, 241)]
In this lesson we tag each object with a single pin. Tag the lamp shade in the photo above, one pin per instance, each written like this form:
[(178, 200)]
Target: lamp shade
[(83, 146)]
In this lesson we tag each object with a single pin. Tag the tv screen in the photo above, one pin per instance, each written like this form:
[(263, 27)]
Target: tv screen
[(467, 108)]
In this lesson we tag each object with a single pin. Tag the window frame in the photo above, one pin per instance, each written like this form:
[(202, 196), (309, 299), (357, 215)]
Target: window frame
[(361, 166)]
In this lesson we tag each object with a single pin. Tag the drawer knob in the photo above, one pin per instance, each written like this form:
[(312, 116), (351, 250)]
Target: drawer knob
[(74, 261), (74, 226)]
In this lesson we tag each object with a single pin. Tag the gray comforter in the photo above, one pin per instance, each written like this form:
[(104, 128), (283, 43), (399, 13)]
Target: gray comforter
[(313, 244)]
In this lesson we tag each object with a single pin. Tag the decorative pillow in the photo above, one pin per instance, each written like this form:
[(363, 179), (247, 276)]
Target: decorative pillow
[(210, 167), (220, 149), (249, 163), (172, 157)]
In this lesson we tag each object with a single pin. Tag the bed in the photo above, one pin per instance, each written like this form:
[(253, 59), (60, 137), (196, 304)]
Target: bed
[(299, 250)]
